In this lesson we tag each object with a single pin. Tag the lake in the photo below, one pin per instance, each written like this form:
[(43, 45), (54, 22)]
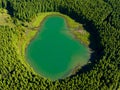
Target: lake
[(54, 52)]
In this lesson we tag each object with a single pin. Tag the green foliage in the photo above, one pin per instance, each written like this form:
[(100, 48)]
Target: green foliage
[(102, 18), (114, 17), (14, 74)]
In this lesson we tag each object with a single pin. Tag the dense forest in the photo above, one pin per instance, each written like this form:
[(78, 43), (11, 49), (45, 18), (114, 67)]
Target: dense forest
[(101, 18)]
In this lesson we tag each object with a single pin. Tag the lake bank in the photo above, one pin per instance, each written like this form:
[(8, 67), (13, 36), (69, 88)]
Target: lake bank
[(36, 33)]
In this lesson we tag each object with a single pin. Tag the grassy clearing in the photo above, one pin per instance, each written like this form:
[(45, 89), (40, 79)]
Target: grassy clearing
[(83, 36), (77, 29)]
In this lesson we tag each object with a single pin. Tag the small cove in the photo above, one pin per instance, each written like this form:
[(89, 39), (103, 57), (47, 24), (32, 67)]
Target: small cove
[(54, 51)]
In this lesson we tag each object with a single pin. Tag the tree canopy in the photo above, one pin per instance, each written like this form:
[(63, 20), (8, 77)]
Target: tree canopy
[(100, 17)]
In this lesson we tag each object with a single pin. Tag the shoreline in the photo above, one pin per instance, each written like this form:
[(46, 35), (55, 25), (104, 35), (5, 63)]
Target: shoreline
[(38, 28), (67, 24)]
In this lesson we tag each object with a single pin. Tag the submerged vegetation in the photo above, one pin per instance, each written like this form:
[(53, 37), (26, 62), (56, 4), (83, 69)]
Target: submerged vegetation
[(99, 17)]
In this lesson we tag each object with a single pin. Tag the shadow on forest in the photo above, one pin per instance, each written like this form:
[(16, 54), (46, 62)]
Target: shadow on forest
[(94, 38), (9, 8)]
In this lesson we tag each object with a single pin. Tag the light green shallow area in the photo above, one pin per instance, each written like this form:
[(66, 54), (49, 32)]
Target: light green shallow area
[(54, 51)]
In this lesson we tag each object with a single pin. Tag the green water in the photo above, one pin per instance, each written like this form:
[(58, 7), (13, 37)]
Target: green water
[(54, 51)]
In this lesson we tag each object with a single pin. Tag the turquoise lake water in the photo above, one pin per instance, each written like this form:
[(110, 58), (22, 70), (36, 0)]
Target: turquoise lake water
[(54, 51)]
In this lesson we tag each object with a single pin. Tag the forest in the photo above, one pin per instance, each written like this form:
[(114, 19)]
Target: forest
[(101, 18)]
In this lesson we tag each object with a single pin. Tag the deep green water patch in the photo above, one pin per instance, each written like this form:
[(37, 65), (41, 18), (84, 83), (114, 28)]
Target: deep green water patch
[(54, 52)]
